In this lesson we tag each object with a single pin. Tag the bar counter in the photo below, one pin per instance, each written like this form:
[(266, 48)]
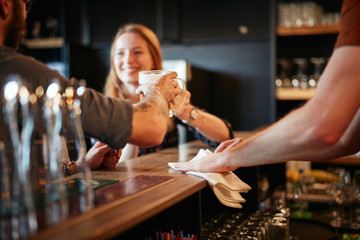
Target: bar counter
[(137, 206), (120, 215)]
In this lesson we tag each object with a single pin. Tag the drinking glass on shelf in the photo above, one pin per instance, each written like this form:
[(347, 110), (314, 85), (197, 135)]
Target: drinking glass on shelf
[(296, 14), (284, 68), (338, 190), (309, 13), (284, 15), (355, 213), (318, 64), (300, 79), (356, 187)]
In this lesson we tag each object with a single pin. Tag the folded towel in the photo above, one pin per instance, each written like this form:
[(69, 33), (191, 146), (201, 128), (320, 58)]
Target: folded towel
[(227, 180), (226, 186), (225, 201)]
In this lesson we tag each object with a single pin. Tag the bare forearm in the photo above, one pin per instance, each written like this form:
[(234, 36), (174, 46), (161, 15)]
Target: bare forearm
[(280, 142), (149, 121), (207, 124), (211, 127), (347, 145), (319, 125)]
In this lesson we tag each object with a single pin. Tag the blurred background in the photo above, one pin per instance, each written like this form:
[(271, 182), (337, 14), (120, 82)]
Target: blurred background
[(231, 51)]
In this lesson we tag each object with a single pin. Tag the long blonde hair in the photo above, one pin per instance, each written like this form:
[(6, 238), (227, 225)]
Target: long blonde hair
[(114, 87)]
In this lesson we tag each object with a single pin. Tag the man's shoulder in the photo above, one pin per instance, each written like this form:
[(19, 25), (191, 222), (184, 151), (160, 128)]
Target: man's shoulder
[(8, 56), (26, 66), (10, 59)]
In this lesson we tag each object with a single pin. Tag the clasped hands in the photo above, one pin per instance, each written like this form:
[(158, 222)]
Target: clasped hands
[(102, 156)]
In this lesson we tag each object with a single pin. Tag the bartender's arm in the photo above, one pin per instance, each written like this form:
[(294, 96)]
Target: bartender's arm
[(312, 130), (149, 124), (116, 121), (348, 144), (321, 125)]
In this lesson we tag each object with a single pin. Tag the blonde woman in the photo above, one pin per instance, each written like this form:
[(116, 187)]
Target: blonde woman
[(136, 48)]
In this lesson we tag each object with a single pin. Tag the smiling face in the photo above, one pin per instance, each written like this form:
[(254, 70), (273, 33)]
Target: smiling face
[(131, 56)]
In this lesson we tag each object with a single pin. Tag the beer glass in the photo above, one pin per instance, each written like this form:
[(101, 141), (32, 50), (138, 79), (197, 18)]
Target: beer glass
[(149, 77)]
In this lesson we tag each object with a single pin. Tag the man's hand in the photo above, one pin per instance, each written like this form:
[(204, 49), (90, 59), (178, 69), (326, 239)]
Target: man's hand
[(164, 85), (101, 155)]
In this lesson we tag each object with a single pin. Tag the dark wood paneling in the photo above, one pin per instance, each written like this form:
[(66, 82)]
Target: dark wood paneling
[(204, 19), (238, 82), (90, 64), (107, 16)]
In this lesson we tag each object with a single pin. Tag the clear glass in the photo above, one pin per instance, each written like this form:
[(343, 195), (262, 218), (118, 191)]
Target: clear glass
[(230, 225), (318, 66), (17, 205), (50, 115), (356, 186), (355, 197), (149, 77), (279, 229), (284, 69), (338, 190), (76, 169), (295, 14), (5, 191), (300, 79), (50, 137)]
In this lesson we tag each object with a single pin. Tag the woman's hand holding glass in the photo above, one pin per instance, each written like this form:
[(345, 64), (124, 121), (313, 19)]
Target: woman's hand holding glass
[(182, 106), (164, 81)]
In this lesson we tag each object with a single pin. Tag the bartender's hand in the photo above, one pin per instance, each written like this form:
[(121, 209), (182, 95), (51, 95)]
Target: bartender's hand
[(217, 162), (209, 164), (228, 144), (168, 88), (101, 155)]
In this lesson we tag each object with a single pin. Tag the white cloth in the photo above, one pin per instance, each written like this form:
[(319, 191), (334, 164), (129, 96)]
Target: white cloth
[(226, 186)]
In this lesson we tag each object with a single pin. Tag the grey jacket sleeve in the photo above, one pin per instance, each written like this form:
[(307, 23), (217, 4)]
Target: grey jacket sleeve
[(106, 119)]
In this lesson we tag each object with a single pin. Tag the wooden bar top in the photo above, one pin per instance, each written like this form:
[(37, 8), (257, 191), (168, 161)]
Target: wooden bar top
[(122, 214), (118, 216)]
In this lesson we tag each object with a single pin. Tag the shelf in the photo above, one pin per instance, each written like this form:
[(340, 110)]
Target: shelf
[(294, 93), (316, 30), (319, 198), (44, 43)]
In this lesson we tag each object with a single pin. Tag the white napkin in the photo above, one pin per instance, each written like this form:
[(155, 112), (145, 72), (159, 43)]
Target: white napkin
[(226, 186)]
